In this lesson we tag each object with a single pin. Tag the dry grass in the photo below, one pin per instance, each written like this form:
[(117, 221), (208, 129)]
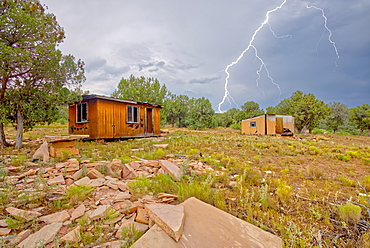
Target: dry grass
[(292, 187)]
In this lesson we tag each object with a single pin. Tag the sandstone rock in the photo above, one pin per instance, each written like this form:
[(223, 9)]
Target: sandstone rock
[(170, 218), (78, 212), (142, 215), (4, 231), (42, 152), (28, 173), (73, 236), (128, 172), (160, 145), (135, 165), (44, 236), (27, 215), (73, 165), (56, 180), (99, 212), (97, 182), (112, 244), (94, 174), (22, 236), (207, 226), (55, 217), (122, 196), (171, 169), (85, 181), (3, 223)]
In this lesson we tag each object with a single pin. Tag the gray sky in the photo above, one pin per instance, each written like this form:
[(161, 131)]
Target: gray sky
[(187, 45)]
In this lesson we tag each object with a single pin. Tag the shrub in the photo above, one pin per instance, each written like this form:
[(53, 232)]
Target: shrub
[(343, 158), (349, 212), (346, 181)]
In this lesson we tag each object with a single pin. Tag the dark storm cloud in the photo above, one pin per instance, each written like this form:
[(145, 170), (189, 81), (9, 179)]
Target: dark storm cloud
[(205, 80), (181, 43)]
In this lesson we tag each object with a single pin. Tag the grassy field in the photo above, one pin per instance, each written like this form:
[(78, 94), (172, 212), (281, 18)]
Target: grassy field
[(309, 190)]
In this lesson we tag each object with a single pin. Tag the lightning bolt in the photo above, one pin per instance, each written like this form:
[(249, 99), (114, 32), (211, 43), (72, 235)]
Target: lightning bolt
[(227, 95), (329, 31)]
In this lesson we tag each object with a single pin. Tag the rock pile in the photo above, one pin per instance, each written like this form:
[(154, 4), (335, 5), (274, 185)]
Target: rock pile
[(111, 210)]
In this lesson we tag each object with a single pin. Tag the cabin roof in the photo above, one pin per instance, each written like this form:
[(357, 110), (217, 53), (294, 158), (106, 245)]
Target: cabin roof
[(113, 99), (268, 115)]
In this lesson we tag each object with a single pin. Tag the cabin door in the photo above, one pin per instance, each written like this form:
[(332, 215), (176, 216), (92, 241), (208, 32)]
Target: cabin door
[(149, 121), (279, 125)]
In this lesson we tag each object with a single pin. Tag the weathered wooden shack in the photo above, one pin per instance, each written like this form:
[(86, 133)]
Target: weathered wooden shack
[(103, 117), (269, 124)]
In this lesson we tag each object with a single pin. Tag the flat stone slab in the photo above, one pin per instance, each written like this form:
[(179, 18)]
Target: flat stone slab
[(55, 217), (207, 226), (170, 168), (42, 237), (170, 218), (27, 215)]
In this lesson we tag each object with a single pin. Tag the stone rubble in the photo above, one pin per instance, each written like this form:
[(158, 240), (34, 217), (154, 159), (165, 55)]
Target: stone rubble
[(111, 203)]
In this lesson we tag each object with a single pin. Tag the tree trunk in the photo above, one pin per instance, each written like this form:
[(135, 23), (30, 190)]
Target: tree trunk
[(19, 136), (2, 136)]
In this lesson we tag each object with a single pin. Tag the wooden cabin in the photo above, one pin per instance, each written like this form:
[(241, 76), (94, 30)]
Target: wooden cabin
[(103, 117), (269, 124)]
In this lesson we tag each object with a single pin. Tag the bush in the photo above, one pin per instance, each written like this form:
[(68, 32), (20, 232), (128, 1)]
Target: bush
[(349, 212)]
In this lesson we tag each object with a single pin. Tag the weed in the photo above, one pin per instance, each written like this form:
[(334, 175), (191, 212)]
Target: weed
[(366, 182), (200, 190), (76, 194), (3, 174), (284, 192), (130, 234), (347, 182), (18, 160), (343, 158), (349, 212)]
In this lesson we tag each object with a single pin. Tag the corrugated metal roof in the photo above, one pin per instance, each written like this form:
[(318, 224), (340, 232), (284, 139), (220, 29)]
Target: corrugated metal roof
[(89, 97)]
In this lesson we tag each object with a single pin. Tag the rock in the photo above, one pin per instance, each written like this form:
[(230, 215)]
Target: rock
[(4, 231), (170, 218), (42, 152), (112, 244), (97, 182), (142, 215), (94, 174), (73, 236), (99, 212), (22, 236), (160, 145), (165, 195), (78, 212), (207, 226), (55, 217), (56, 180), (3, 223), (128, 172), (171, 169), (28, 173), (44, 236), (85, 181), (134, 165), (73, 165), (122, 196), (27, 215)]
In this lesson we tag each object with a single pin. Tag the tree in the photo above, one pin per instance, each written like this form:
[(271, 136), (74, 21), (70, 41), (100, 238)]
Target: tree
[(32, 71), (308, 110), (360, 115), (338, 115), (200, 113), (141, 89), (251, 109), (175, 109)]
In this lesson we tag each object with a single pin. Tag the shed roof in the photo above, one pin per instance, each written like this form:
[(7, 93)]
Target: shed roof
[(113, 99), (269, 115)]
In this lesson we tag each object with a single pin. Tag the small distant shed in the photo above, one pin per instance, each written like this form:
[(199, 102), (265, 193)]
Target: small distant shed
[(103, 117), (268, 124)]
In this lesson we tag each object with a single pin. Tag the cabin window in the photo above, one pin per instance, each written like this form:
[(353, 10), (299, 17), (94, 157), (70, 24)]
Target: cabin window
[(132, 114), (82, 112), (253, 124)]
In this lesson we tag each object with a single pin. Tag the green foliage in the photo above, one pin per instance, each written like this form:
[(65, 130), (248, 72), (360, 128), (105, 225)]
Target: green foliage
[(130, 234), (349, 212), (308, 111), (175, 109), (338, 115), (141, 89), (346, 181), (360, 115), (34, 74), (76, 194)]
